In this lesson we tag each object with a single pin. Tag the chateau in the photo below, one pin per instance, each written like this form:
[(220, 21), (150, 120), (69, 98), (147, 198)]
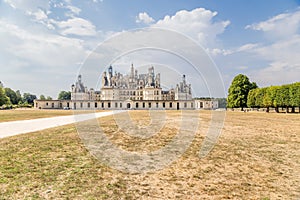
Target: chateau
[(131, 91)]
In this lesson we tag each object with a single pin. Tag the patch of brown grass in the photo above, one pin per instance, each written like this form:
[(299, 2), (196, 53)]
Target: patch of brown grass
[(24, 114), (256, 157)]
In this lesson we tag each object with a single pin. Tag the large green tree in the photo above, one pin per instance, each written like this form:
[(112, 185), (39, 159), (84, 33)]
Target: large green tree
[(29, 98), (11, 95), (238, 91), (3, 97), (64, 95)]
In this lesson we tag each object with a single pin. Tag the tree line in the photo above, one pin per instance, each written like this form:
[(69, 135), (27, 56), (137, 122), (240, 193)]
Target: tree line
[(13, 99), (245, 94), (284, 96)]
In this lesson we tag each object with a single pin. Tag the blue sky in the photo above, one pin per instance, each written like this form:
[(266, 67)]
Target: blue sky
[(44, 43)]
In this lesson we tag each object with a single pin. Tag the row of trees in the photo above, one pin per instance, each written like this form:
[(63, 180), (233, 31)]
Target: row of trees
[(242, 93), (10, 98), (287, 96), (63, 95)]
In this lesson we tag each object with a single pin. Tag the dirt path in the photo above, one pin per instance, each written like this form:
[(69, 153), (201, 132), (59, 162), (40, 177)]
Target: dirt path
[(26, 126)]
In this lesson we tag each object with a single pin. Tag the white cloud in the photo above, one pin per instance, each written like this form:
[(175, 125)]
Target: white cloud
[(217, 51), (197, 24), (280, 26), (144, 18), (283, 62), (40, 47), (75, 10), (97, 1), (39, 15), (247, 47), (36, 56), (76, 26), (282, 50)]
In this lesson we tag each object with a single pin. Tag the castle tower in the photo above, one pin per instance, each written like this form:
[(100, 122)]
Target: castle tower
[(183, 80), (110, 71), (132, 72), (79, 79), (104, 79), (157, 80)]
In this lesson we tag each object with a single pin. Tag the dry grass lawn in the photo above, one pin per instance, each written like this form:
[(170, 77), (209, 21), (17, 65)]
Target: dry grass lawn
[(24, 114), (256, 157)]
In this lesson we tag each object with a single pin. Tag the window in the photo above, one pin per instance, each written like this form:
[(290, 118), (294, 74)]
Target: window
[(60, 105), (81, 105), (47, 104), (192, 105), (149, 105), (156, 104), (52, 105), (102, 104), (89, 105), (185, 104), (143, 104), (96, 105), (136, 105), (164, 104), (108, 105), (170, 104), (116, 105), (120, 105), (68, 104)]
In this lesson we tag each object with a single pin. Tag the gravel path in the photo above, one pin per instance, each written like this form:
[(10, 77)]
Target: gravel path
[(26, 126)]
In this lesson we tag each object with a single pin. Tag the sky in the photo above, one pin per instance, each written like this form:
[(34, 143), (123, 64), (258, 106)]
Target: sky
[(45, 44)]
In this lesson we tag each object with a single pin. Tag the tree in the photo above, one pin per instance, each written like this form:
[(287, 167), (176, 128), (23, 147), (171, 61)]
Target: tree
[(19, 97), (29, 98), (238, 91), (11, 95), (294, 96), (251, 99), (253, 85), (64, 95), (42, 97), (3, 98), (259, 97), (282, 97), (268, 98), (49, 98), (221, 102)]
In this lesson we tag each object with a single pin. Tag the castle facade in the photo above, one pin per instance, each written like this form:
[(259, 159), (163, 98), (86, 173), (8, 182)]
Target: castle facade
[(128, 91)]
